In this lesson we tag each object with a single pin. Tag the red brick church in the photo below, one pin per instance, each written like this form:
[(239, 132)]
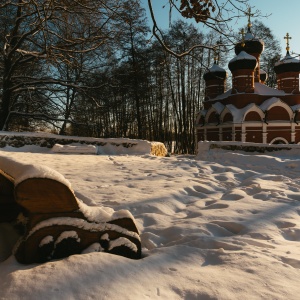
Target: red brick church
[(251, 111)]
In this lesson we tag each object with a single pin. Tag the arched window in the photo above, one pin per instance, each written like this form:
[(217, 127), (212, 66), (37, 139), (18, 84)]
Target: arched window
[(213, 118), (228, 117), (278, 113), (252, 116)]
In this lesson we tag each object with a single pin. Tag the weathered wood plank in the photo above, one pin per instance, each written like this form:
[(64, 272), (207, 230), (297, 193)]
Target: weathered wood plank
[(43, 195)]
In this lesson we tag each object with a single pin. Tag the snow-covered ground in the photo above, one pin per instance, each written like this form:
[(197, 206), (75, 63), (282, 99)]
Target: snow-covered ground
[(221, 226)]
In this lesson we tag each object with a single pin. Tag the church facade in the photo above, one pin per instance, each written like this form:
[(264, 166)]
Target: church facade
[(251, 111)]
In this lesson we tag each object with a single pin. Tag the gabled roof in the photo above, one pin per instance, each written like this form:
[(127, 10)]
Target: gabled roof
[(218, 107), (239, 114), (269, 103)]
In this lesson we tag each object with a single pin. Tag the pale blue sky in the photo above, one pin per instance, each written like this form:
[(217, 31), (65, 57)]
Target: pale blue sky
[(285, 17)]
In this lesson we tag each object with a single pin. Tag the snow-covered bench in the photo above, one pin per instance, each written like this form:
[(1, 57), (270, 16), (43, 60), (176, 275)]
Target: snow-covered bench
[(54, 223)]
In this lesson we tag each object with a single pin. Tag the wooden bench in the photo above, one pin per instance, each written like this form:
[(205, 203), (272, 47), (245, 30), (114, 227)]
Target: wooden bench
[(52, 222)]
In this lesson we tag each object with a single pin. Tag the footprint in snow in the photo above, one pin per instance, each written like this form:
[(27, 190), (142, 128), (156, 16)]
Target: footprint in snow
[(234, 195), (216, 206)]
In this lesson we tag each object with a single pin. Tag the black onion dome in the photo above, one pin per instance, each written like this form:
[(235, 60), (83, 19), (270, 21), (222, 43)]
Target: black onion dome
[(215, 72), (287, 64), (242, 61), (250, 45)]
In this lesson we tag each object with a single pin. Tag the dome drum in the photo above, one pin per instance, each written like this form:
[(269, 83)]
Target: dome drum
[(287, 67), (242, 64), (220, 75), (242, 61), (215, 79), (213, 89), (243, 85)]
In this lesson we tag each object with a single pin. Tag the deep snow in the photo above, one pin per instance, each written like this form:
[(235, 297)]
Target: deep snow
[(221, 226)]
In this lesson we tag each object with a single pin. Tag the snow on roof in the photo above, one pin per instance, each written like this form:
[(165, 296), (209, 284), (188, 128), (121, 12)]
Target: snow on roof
[(203, 112), (262, 89), (287, 60), (218, 107), (269, 102), (250, 37), (234, 111), (242, 55), (215, 68), (259, 88), (222, 96), (295, 107), (238, 114)]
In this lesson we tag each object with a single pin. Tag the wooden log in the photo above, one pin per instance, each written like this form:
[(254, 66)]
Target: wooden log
[(44, 195)]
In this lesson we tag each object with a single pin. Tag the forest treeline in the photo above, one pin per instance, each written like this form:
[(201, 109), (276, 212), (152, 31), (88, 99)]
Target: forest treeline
[(93, 69)]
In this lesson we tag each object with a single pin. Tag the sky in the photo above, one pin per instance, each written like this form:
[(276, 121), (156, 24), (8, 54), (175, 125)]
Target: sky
[(282, 18), (221, 225)]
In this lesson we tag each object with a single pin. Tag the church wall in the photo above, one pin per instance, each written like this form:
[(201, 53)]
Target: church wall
[(297, 119), (212, 134), (297, 136), (275, 132), (288, 82), (227, 134), (254, 135), (238, 134)]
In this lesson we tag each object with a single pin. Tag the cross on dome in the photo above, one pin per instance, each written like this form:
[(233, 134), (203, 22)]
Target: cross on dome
[(287, 38), (216, 55), (217, 50), (249, 14), (242, 32)]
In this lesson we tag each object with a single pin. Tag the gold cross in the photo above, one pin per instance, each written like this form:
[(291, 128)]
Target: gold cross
[(216, 54), (217, 49), (287, 38), (218, 46), (242, 32), (249, 14)]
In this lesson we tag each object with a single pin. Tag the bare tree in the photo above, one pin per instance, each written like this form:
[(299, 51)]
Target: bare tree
[(213, 14), (42, 34)]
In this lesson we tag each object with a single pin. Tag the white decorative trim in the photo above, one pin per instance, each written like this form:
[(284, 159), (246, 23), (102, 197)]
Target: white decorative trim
[(289, 78), (264, 135), (244, 76), (272, 102), (279, 139)]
